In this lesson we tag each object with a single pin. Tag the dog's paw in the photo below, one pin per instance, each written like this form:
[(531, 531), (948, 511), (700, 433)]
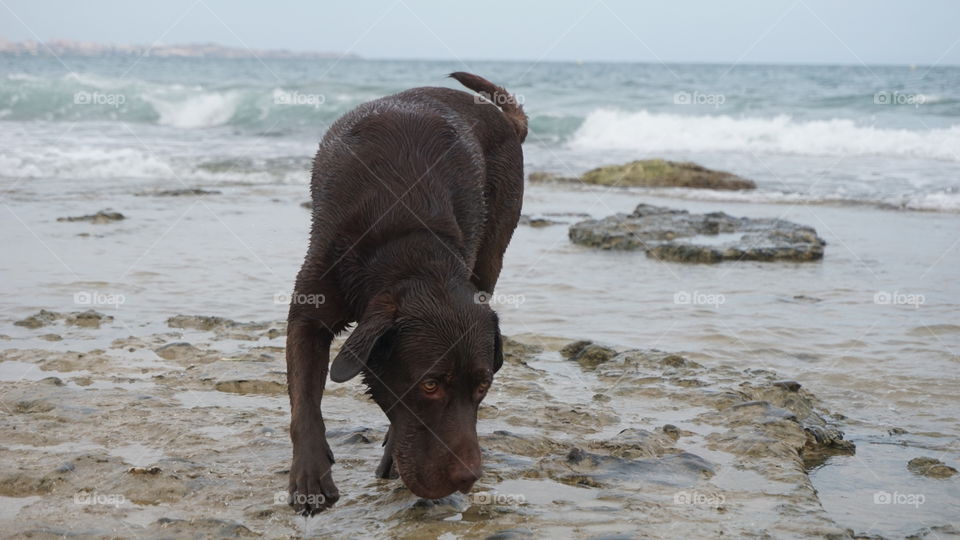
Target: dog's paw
[(311, 485)]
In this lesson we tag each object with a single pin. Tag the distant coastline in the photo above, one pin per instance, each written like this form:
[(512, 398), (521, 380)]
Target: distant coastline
[(64, 47)]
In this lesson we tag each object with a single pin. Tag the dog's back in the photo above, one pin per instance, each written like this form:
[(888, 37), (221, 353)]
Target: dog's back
[(426, 158)]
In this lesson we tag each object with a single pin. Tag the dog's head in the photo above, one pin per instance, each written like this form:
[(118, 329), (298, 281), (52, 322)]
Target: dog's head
[(428, 359)]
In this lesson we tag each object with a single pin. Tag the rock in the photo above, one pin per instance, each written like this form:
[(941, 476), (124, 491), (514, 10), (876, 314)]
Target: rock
[(537, 222), (40, 318), (663, 173), (359, 437), (930, 467), (792, 386), (203, 528), (225, 328), (88, 319), (632, 472), (251, 387), (587, 353), (546, 177), (144, 470), (198, 322), (511, 534), (176, 351), (679, 236), (583, 468), (99, 218), (183, 192), (652, 173)]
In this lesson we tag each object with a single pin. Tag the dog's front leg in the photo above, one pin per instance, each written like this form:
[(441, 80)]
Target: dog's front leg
[(308, 354), (386, 469)]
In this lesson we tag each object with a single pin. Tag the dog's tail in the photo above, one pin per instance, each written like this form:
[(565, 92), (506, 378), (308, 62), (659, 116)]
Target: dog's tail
[(499, 97)]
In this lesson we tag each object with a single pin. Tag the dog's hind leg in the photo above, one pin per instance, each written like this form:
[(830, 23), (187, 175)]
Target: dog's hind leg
[(504, 197)]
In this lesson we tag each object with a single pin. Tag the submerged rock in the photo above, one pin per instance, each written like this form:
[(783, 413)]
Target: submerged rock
[(226, 328), (654, 173), (930, 467), (99, 218), (243, 386), (88, 319), (550, 178), (587, 353), (85, 319), (183, 192), (537, 222), (663, 173), (679, 236), (38, 319)]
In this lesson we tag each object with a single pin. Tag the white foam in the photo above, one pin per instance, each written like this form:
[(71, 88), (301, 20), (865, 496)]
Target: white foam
[(949, 202), (84, 162), (608, 129), (99, 162), (203, 110)]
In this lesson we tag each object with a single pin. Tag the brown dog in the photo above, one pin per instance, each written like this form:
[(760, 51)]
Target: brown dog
[(415, 198)]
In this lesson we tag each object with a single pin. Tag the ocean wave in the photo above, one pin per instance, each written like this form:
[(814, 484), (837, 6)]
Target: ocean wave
[(940, 201), (90, 97), (203, 110), (94, 163), (648, 132)]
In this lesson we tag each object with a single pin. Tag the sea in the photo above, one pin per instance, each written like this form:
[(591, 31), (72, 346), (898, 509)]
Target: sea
[(867, 155)]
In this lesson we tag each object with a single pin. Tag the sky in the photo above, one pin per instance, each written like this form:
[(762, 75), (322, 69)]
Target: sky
[(922, 32)]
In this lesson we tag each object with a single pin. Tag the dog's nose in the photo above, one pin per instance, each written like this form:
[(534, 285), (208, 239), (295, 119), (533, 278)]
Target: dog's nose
[(463, 476)]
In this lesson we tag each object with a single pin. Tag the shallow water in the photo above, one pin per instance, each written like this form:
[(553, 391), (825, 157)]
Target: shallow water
[(882, 361)]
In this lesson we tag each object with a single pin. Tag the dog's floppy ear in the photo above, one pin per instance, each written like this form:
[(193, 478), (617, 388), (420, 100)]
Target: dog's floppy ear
[(375, 327), (497, 345)]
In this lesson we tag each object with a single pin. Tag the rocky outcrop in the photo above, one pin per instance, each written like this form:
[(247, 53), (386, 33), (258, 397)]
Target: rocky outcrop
[(679, 236), (99, 218), (654, 173)]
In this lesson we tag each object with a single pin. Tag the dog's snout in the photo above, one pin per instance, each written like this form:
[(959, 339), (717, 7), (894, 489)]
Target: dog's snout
[(464, 475)]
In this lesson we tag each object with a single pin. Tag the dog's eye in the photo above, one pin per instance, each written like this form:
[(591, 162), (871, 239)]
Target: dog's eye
[(482, 388), (429, 386)]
